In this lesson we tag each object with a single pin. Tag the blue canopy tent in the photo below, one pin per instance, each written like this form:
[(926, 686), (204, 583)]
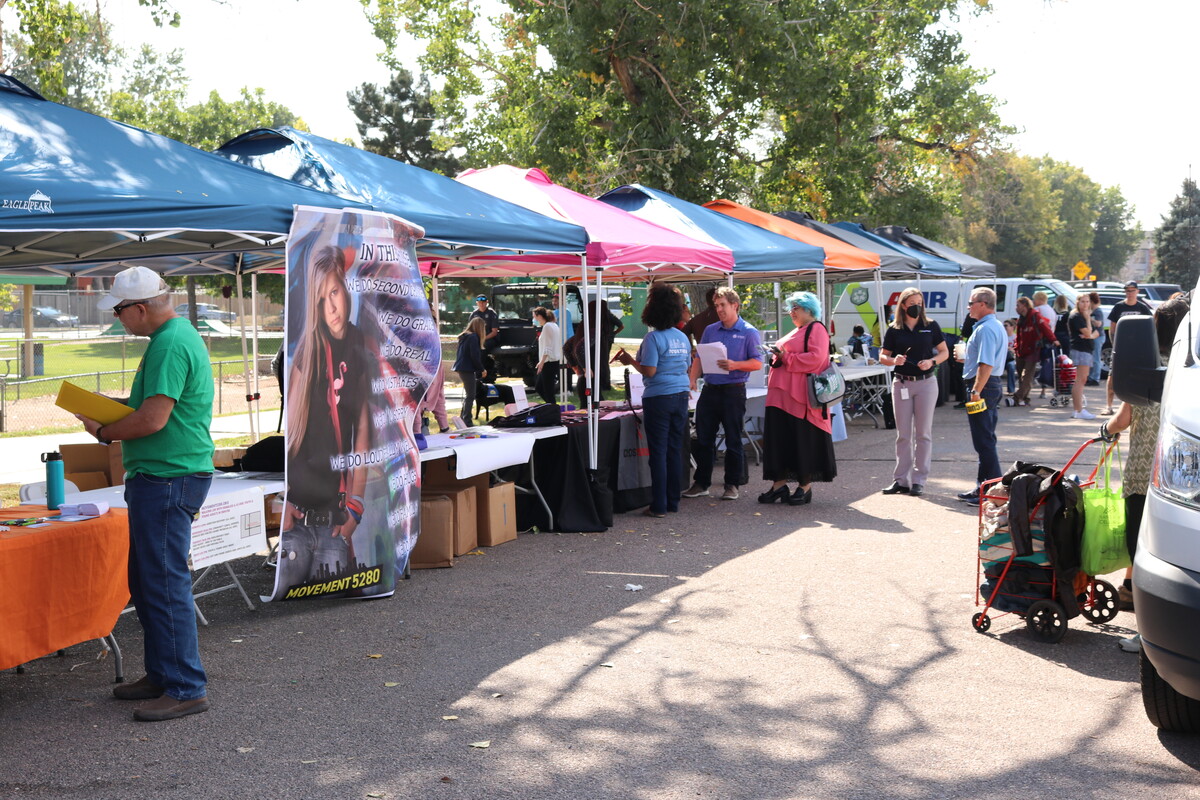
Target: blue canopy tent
[(930, 265), (757, 252), (971, 267), (80, 194), (892, 262), (459, 221)]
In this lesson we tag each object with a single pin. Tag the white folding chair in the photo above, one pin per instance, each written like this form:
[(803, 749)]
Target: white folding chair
[(36, 492)]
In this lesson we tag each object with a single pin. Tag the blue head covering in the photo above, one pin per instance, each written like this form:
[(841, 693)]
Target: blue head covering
[(806, 300)]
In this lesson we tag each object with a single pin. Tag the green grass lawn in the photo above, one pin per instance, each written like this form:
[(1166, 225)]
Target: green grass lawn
[(70, 357)]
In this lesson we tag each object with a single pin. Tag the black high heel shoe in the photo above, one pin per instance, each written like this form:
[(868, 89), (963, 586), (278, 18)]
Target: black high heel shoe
[(771, 495), (800, 498)]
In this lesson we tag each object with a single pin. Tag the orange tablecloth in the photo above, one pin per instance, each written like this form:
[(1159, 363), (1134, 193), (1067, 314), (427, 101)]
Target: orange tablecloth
[(60, 585)]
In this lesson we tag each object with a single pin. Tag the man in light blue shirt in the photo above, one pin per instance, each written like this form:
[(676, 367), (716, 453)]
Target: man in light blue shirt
[(982, 367), (565, 323)]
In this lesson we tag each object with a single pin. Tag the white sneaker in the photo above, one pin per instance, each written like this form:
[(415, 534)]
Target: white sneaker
[(1131, 645), (1084, 414)]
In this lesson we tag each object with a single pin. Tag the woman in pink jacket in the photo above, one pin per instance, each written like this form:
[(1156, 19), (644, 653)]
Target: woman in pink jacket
[(798, 444)]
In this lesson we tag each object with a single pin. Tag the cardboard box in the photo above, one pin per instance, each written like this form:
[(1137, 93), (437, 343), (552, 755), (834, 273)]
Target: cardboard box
[(86, 481), (435, 543), (273, 512), (97, 465), (466, 523), (226, 456), (498, 515), (440, 476)]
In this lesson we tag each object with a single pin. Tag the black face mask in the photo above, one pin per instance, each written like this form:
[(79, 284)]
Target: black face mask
[(913, 312)]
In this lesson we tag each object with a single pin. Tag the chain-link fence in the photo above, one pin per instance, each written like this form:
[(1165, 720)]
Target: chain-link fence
[(32, 371)]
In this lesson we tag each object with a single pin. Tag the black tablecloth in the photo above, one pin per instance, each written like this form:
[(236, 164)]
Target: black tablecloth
[(580, 500)]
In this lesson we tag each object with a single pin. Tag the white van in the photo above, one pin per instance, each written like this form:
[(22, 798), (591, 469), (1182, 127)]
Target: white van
[(1166, 568), (945, 301)]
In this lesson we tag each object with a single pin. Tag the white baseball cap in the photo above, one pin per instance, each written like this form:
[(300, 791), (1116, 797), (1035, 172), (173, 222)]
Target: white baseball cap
[(135, 283)]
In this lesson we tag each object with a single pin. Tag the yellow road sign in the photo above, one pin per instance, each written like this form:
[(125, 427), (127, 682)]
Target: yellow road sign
[(1080, 270)]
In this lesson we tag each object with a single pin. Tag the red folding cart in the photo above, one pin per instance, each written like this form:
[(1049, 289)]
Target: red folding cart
[(1024, 579)]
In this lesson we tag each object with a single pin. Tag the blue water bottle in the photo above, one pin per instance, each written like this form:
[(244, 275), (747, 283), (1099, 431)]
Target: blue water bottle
[(55, 488)]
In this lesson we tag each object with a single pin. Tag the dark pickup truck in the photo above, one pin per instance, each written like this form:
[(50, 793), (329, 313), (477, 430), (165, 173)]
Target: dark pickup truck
[(516, 355)]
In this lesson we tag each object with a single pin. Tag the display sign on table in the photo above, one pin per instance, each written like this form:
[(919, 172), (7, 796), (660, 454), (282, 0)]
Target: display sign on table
[(229, 526), (362, 350)]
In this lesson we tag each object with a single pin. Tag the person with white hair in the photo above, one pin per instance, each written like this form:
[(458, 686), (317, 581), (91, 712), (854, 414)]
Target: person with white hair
[(983, 362), (167, 453), (797, 436)]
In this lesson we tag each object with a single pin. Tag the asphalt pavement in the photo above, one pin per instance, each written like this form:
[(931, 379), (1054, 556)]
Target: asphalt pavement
[(822, 651)]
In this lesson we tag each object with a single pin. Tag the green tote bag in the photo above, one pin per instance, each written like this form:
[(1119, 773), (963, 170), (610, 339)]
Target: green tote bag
[(1104, 549)]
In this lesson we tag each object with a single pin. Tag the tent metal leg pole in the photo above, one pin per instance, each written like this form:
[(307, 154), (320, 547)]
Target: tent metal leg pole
[(246, 361), (560, 318), (599, 363), (587, 376), (882, 306), (254, 345)]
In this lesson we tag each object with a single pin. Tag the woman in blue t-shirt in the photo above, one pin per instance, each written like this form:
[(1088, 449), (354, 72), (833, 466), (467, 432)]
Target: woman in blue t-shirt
[(663, 360)]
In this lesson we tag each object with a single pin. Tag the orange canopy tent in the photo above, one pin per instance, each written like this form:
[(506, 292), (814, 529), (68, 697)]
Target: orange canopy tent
[(838, 254)]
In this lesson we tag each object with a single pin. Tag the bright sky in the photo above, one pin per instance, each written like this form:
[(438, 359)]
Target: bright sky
[(1107, 85), (1103, 84)]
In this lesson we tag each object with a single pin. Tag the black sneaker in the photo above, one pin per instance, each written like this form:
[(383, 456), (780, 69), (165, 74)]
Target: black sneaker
[(969, 497), (896, 488)]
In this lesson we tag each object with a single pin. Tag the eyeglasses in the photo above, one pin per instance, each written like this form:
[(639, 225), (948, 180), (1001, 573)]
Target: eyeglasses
[(973, 302), (118, 309)]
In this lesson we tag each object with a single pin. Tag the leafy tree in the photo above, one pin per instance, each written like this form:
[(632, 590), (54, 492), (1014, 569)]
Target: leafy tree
[(52, 30), (81, 65), (1117, 234), (1009, 213), (818, 104), (205, 125), (397, 121), (46, 25), (1077, 198), (1178, 239)]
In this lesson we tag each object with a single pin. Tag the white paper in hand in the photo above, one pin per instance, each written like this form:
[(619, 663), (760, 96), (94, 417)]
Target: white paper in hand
[(710, 353)]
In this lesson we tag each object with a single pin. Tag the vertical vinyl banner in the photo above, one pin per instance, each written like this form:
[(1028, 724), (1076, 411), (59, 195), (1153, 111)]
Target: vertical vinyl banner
[(361, 351)]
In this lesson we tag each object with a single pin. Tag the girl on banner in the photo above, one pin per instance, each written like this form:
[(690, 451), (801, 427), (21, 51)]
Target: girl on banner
[(327, 430)]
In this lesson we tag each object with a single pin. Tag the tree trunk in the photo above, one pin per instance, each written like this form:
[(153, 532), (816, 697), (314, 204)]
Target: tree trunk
[(191, 296)]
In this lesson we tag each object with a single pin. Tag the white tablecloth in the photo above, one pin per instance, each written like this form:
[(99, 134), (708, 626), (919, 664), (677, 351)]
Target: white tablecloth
[(224, 483), (500, 448)]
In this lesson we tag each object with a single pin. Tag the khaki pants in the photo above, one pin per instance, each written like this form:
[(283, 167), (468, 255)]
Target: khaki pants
[(1027, 370), (914, 429)]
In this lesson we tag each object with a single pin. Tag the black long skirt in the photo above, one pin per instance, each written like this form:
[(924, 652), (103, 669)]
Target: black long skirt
[(796, 450)]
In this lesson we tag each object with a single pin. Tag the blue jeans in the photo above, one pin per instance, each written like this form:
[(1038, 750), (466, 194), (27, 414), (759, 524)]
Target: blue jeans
[(1010, 374), (983, 430), (665, 417), (161, 511), (720, 405), (309, 552)]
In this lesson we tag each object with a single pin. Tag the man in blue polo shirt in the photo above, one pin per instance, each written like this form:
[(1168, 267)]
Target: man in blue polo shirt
[(982, 367), (722, 402)]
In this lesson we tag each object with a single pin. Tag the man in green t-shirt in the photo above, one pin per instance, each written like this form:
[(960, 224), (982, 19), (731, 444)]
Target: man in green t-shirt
[(167, 451)]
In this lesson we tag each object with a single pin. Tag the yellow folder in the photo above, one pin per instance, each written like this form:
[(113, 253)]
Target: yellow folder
[(78, 400)]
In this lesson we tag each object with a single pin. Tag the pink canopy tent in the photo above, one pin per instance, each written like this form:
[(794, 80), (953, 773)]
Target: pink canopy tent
[(620, 246)]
